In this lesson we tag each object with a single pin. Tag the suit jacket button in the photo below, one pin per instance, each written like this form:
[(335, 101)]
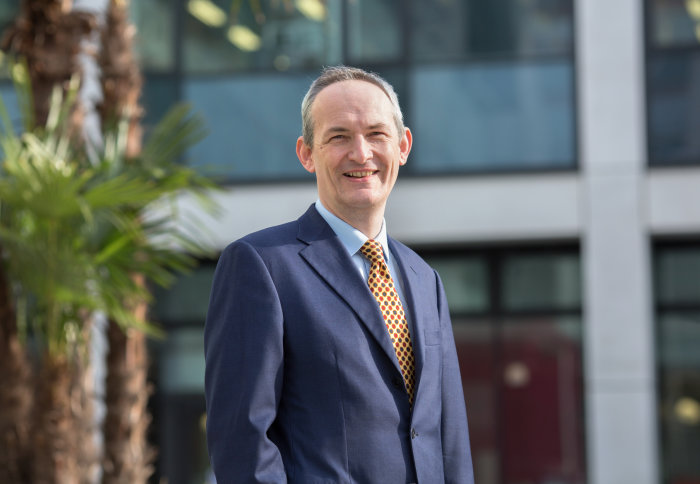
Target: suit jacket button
[(414, 434)]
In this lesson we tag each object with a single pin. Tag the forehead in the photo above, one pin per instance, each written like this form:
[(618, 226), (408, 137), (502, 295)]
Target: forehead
[(355, 99)]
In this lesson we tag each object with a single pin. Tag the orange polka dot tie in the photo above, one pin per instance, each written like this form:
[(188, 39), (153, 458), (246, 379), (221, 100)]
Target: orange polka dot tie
[(382, 286)]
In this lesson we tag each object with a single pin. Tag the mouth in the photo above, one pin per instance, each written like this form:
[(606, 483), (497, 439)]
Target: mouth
[(360, 174)]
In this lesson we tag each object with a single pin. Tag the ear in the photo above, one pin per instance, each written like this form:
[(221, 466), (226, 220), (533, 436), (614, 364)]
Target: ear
[(405, 146), (304, 155)]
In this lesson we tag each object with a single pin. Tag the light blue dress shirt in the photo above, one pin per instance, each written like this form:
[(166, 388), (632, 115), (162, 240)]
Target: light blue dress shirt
[(352, 239)]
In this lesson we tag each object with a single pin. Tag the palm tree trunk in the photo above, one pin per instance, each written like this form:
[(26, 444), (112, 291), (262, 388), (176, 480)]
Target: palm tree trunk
[(128, 455), (54, 439), (48, 35), (15, 394)]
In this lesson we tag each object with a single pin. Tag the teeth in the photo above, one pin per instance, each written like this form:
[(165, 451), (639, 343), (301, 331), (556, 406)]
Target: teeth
[(359, 174)]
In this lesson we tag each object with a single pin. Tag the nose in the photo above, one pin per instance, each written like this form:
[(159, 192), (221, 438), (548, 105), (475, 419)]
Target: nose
[(360, 150)]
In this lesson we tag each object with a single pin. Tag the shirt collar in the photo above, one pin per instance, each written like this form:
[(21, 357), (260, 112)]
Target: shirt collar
[(351, 238)]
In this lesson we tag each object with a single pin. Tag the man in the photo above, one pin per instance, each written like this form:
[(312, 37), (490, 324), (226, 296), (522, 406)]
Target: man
[(313, 374)]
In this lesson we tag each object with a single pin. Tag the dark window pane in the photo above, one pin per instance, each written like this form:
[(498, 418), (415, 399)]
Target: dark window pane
[(185, 302), (253, 124), (476, 341), (374, 30), (155, 42), (522, 382), (674, 107), (450, 29), (224, 35), (674, 22), (160, 93), (8, 12), (539, 281), (466, 282), (438, 30), (486, 117), (678, 276), (181, 360), (679, 388)]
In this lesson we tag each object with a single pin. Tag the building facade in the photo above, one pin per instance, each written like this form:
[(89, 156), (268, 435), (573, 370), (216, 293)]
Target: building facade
[(554, 184)]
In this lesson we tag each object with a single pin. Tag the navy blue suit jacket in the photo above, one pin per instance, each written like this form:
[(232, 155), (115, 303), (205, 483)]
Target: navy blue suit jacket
[(302, 382)]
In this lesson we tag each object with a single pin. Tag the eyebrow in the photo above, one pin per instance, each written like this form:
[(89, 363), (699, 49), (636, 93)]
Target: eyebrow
[(340, 129)]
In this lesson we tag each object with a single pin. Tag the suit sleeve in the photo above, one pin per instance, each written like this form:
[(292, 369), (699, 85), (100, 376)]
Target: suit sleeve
[(243, 348), (456, 451)]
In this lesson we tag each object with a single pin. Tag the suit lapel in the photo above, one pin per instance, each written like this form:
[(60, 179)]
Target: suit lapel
[(327, 256)]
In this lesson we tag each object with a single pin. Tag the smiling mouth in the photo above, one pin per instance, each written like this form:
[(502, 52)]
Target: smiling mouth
[(359, 174)]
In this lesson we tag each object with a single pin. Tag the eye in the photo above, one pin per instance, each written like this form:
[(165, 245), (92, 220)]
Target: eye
[(377, 134)]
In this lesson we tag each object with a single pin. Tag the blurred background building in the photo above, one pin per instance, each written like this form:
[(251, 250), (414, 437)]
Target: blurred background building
[(554, 183)]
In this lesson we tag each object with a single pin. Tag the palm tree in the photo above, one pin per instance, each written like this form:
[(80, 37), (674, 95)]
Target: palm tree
[(77, 241), (75, 230), (47, 35)]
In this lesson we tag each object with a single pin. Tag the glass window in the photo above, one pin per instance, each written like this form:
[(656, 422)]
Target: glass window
[(673, 82), (493, 117), (678, 340), (226, 35), (534, 281), (253, 123), (522, 374), (8, 11), (466, 282), (155, 39), (159, 94), (186, 301), (674, 22), (678, 276), (541, 408), (374, 30), (485, 86), (178, 370), (450, 29)]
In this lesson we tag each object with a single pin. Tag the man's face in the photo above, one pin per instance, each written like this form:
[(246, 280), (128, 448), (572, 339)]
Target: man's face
[(357, 151)]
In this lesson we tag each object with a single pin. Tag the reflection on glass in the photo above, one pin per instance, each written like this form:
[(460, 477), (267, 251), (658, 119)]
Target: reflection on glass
[(675, 22), (673, 83), (678, 276), (374, 30), (495, 116), (226, 35), (465, 280), (542, 402), (522, 382), (679, 395), (535, 281), (155, 42)]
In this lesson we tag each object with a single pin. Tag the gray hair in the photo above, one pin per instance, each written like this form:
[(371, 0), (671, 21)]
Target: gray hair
[(331, 75)]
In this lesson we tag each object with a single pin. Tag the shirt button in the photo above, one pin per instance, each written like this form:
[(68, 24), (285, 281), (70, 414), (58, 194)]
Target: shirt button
[(398, 382), (414, 434)]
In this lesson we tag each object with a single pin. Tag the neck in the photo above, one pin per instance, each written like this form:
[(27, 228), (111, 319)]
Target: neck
[(369, 222), (368, 227)]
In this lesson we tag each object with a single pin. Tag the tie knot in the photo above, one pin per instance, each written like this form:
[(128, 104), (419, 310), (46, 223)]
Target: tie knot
[(373, 251)]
